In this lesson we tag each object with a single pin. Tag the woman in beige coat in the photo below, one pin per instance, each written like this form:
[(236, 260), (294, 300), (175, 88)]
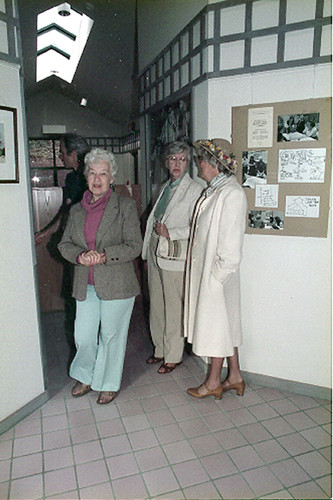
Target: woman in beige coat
[(168, 228), (212, 293)]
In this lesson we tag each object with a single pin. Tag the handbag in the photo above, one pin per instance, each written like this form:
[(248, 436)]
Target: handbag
[(171, 249)]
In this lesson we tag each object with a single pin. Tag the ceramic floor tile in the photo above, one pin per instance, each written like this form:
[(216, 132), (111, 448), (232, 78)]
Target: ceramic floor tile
[(167, 387), (326, 484), (320, 415), (250, 398), (135, 488), (300, 421), (175, 398), (136, 423), (27, 487), (5, 466), (234, 487), (314, 464), (254, 433), (122, 465), (183, 412), (309, 490), (318, 437), (55, 423), (160, 481), (180, 451), (284, 406), (169, 433), (219, 465), (153, 403), (245, 458), (83, 433), (97, 492), (303, 402), (295, 444), (194, 427), (115, 445), (57, 439), (190, 473), (262, 481), (6, 449), (59, 481), (205, 445), (92, 473), (241, 417), (27, 445), (204, 491), (28, 428), (271, 451), (283, 495), (160, 417), (263, 411), (108, 428), (269, 394), (278, 427), (4, 489), (57, 459), (142, 439), (218, 422), (289, 472), (128, 408), (230, 438), (86, 452), (152, 458), (81, 417)]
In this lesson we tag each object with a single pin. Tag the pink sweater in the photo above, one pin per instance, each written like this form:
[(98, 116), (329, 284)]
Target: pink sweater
[(94, 214)]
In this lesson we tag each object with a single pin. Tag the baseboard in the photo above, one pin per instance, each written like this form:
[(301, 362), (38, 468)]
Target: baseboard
[(23, 412), (314, 391)]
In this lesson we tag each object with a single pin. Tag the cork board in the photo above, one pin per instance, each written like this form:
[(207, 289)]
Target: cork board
[(284, 154)]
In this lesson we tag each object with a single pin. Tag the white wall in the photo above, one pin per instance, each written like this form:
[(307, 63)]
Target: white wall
[(21, 378), (286, 299), (50, 108)]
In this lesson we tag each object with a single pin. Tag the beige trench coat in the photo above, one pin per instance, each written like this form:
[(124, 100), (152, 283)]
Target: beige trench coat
[(212, 290)]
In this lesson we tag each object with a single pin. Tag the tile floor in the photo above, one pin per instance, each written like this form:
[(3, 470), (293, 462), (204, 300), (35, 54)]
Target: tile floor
[(155, 441)]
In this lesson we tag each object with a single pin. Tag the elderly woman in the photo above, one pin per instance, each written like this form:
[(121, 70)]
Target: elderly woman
[(164, 248), (212, 293), (102, 238)]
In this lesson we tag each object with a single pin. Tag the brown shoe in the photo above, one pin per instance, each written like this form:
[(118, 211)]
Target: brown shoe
[(105, 397), (80, 389), (152, 360), (193, 391), (167, 367), (239, 387)]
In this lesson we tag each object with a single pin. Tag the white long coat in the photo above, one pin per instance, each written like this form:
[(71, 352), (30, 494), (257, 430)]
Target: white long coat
[(212, 319)]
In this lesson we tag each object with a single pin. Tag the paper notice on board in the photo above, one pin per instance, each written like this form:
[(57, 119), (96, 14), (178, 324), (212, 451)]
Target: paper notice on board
[(267, 195), (260, 127), (302, 165), (302, 206)]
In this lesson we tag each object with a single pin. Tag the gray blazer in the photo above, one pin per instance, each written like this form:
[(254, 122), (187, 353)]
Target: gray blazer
[(119, 236)]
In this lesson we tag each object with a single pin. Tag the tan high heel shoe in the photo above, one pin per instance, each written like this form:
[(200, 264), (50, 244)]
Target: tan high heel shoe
[(193, 391), (239, 387)]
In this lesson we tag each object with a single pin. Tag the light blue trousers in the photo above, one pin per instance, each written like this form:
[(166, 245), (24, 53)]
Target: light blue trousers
[(101, 328)]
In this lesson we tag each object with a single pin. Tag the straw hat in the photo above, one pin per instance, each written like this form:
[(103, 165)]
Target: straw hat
[(220, 149)]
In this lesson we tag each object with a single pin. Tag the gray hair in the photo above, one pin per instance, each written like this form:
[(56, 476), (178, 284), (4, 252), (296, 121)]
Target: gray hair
[(98, 154), (178, 147)]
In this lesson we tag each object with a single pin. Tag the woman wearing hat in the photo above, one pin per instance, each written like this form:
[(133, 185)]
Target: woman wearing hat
[(212, 293)]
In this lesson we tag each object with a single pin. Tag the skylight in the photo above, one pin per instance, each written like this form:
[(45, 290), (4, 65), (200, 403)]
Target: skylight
[(62, 33)]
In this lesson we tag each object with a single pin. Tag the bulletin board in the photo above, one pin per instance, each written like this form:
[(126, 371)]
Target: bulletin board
[(284, 153)]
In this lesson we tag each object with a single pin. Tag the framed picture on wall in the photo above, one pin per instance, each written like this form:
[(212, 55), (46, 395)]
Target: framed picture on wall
[(8, 145)]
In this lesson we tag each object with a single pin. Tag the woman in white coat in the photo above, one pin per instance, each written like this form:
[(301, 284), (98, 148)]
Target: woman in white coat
[(212, 290), (164, 248)]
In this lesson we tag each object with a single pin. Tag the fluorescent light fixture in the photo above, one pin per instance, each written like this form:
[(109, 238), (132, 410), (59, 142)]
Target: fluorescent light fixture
[(83, 102), (62, 34)]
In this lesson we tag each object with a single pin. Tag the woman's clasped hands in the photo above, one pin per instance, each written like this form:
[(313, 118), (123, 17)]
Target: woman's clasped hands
[(91, 258)]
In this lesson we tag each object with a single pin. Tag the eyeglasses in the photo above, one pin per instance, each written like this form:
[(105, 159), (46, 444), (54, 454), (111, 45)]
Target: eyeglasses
[(182, 160)]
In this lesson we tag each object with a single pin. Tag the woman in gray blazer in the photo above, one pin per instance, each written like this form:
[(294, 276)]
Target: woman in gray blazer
[(102, 238), (164, 248)]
